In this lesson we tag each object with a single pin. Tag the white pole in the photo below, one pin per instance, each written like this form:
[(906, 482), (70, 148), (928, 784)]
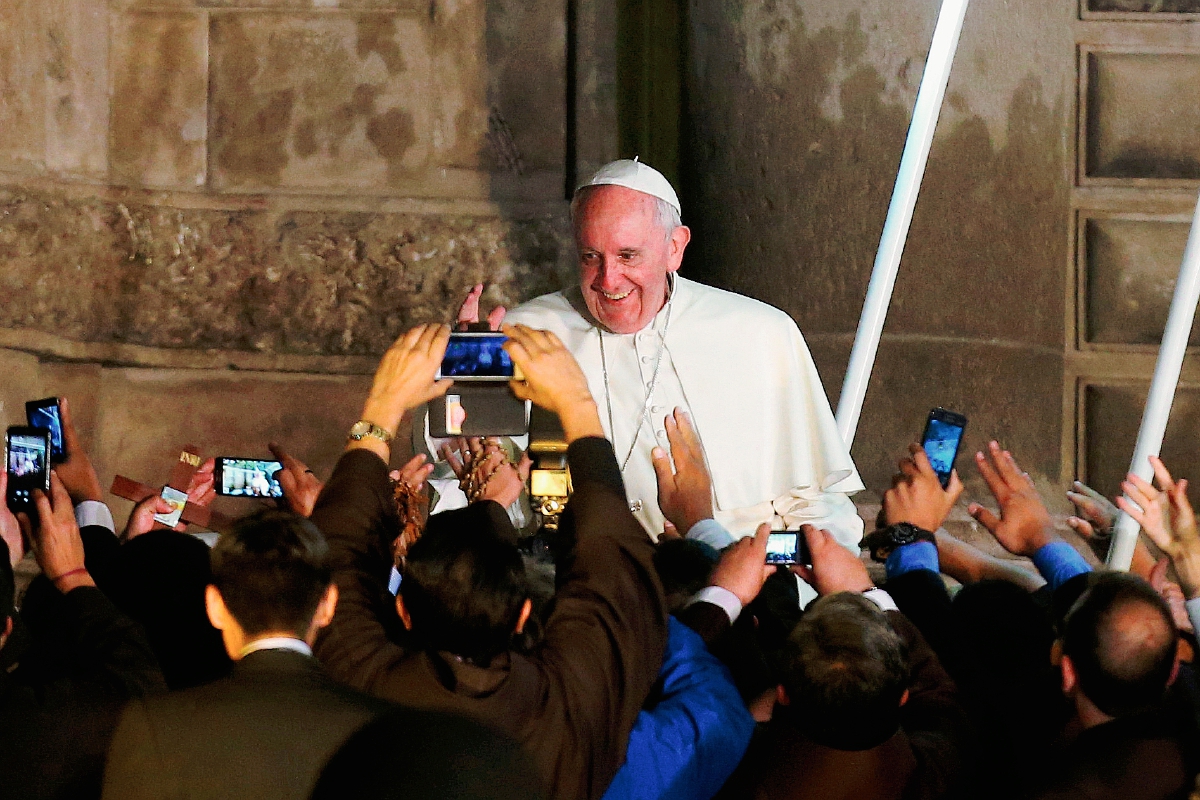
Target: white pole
[(895, 229), (1162, 388)]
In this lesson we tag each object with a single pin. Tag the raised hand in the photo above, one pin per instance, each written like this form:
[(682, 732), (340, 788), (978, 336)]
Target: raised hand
[(300, 485), (1096, 516), (743, 569), (76, 473), (917, 496), (685, 493), (201, 489), (414, 472), (1171, 592), (1175, 533), (142, 519), (468, 312), (56, 542), (834, 568), (1024, 525), (10, 529), (1149, 506), (405, 377), (552, 380)]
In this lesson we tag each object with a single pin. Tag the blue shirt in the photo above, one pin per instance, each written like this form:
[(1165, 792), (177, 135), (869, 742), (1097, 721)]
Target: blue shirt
[(690, 742), (1057, 562)]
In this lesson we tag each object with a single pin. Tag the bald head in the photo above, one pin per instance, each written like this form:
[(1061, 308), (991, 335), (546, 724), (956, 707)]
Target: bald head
[(1121, 640)]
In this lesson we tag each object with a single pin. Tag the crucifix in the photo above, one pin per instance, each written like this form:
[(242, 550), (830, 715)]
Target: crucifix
[(181, 476)]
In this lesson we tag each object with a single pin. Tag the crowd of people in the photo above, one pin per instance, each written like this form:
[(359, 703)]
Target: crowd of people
[(280, 665), (404, 633)]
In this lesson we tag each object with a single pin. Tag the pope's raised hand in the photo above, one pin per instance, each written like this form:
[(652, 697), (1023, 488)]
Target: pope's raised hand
[(684, 493), (468, 312)]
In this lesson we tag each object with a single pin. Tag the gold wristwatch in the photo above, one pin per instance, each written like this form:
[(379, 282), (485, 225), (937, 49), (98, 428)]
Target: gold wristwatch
[(364, 428)]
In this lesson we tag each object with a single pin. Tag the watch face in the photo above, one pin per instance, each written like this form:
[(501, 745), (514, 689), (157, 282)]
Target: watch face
[(360, 429)]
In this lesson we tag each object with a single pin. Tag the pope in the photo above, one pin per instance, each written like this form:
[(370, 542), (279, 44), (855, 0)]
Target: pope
[(651, 342)]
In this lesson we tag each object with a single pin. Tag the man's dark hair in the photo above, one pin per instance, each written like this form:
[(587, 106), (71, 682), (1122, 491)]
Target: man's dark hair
[(1120, 637), (464, 584), (684, 567), (272, 572), (845, 670)]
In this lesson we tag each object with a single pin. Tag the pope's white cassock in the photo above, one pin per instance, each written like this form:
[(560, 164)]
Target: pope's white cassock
[(741, 369)]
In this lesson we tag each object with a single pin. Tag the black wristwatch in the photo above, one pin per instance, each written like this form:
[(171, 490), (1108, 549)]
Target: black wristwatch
[(884, 541)]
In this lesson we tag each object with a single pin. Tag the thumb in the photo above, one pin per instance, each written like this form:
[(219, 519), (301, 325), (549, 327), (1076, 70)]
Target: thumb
[(984, 517), (662, 469), (669, 531), (1158, 574), (761, 535)]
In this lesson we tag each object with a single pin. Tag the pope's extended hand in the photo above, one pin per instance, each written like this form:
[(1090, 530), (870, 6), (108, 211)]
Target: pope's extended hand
[(406, 376), (685, 493), (552, 380)]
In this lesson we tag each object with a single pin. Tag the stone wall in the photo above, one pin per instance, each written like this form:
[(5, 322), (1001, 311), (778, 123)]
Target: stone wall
[(797, 113), (216, 214)]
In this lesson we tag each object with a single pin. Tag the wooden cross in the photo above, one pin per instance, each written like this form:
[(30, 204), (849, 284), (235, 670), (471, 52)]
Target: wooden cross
[(181, 476)]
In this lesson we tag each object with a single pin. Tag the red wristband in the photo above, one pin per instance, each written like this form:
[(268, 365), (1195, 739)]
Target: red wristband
[(75, 571)]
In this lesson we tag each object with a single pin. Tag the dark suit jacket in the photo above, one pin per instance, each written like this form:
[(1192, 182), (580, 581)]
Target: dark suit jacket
[(58, 712), (572, 701), (264, 732), (924, 759)]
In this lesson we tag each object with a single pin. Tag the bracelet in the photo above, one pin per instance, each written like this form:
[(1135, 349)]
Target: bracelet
[(75, 571)]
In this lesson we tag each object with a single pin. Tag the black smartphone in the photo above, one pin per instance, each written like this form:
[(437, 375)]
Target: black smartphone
[(787, 547), (247, 477), (472, 356), (46, 414), (942, 439), (27, 459)]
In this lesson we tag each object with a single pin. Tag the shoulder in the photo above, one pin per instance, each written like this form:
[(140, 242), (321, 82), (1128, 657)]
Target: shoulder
[(705, 301)]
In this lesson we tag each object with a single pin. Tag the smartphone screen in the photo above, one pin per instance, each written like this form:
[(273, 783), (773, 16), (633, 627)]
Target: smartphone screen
[(45, 414), (476, 356), (247, 477), (28, 465), (782, 547), (942, 439), (178, 500)]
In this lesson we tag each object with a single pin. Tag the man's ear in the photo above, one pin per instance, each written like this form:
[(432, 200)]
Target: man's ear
[(326, 608), (526, 610), (214, 604), (1070, 681), (781, 696), (675, 247), (904, 698), (8, 626), (403, 612)]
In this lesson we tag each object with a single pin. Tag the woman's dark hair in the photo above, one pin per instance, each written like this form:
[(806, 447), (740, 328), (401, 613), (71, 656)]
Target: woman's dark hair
[(272, 571), (464, 585)]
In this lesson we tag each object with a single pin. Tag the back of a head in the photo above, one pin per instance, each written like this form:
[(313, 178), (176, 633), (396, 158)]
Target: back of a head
[(845, 670), (272, 571), (1120, 638), (464, 585), (684, 567)]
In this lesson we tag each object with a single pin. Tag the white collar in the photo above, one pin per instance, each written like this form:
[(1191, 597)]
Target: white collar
[(277, 643)]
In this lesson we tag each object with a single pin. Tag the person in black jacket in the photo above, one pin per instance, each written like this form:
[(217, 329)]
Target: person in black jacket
[(265, 731), (571, 702), (58, 709)]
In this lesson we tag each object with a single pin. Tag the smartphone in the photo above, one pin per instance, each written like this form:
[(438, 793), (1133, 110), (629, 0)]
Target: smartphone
[(474, 356), (247, 477), (27, 459), (178, 500), (46, 414), (787, 547), (942, 439)]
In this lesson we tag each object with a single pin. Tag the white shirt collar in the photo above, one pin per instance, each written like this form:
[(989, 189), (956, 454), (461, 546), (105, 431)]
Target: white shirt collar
[(277, 643)]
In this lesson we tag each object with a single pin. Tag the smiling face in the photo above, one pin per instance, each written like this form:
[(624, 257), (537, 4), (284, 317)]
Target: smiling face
[(624, 256)]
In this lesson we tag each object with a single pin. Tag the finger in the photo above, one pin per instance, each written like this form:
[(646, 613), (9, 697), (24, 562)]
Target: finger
[(687, 430), (1084, 489), (1006, 465), (70, 435), (438, 338), (42, 502), (1165, 482), (984, 517), (469, 310), (908, 468), (1081, 526), (663, 471), (954, 488), (669, 531), (451, 458), (26, 526), (815, 537), (921, 460), (495, 317), (803, 572), (761, 535), (524, 467), (433, 390), (995, 483), (1145, 487), (58, 494), (1136, 494), (1158, 574), (1084, 503)]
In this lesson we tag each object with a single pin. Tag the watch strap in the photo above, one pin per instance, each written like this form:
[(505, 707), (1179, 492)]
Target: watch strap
[(882, 542)]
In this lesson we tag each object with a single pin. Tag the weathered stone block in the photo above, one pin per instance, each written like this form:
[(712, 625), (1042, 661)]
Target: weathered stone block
[(160, 100), (309, 283), (22, 85), (77, 86), (319, 100)]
